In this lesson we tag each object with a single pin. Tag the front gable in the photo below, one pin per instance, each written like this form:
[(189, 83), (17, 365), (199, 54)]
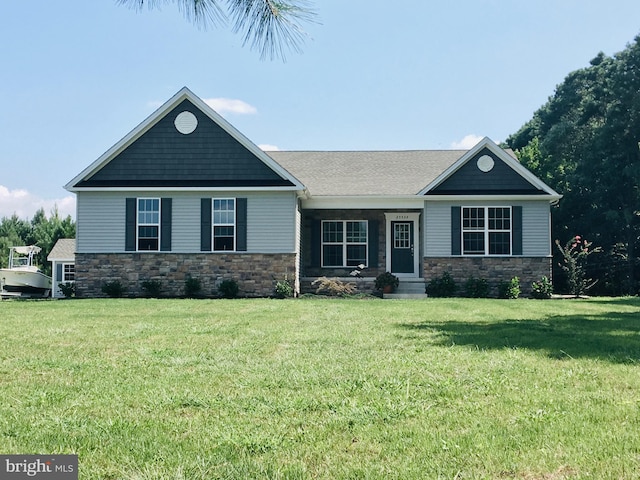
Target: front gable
[(185, 144), (487, 169)]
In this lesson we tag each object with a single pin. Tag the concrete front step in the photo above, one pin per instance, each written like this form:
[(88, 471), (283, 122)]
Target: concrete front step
[(417, 296), (408, 288)]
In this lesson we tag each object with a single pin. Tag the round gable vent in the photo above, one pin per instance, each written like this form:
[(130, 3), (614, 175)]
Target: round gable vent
[(485, 163), (186, 122)]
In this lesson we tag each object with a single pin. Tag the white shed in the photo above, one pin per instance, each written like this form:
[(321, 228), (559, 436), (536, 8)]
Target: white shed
[(63, 264)]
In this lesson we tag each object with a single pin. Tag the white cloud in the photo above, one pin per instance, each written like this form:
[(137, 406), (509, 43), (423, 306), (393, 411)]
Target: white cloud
[(467, 142), (230, 105), (268, 148), (25, 204)]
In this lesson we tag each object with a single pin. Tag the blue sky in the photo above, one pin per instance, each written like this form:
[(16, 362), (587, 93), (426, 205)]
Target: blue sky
[(76, 76)]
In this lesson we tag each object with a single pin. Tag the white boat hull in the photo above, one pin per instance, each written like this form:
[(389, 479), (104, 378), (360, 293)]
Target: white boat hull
[(25, 282)]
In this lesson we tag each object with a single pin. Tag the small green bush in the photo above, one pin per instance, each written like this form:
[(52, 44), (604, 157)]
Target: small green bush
[(444, 286), (113, 289), (151, 288), (542, 289), (476, 288), (68, 289), (192, 287), (228, 288), (510, 289), (283, 289)]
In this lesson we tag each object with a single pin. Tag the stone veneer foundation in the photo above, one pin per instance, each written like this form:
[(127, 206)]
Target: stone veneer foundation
[(493, 269), (256, 273)]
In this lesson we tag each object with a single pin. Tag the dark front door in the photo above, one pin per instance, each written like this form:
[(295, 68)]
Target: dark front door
[(402, 247)]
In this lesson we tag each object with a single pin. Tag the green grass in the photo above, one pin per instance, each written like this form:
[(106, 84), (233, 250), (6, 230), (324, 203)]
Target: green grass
[(331, 389)]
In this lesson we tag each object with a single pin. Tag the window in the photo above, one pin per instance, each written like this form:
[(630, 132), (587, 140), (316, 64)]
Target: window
[(68, 272), (224, 224), (148, 227), (344, 243), (486, 230)]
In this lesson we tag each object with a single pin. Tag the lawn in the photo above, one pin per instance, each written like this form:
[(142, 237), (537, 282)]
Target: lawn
[(328, 389)]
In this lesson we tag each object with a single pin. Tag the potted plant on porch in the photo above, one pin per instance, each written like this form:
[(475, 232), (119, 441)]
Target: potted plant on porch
[(387, 282)]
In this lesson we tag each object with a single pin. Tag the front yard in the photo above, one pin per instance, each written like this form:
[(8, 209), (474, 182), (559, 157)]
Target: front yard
[(331, 389)]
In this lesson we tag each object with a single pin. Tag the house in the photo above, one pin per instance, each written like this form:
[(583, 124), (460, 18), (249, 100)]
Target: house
[(62, 258), (185, 194)]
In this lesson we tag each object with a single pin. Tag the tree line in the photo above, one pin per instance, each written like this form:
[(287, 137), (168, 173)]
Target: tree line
[(40, 230), (585, 143)]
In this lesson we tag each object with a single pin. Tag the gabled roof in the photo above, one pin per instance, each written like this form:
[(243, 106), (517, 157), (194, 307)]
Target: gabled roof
[(395, 173), (486, 144), (157, 154), (64, 249)]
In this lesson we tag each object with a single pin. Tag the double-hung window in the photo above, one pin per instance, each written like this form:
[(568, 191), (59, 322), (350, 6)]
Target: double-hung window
[(486, 230), (148, 226), (224, 224), (344, 243)]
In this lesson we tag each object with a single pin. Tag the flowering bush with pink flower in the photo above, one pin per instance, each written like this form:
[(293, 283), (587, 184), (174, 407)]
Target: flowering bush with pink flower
[(574, 259)]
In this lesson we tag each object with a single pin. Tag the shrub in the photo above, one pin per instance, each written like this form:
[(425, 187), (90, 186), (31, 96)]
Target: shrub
[(574, 258), (334, 287), (228, 288), (444, 286), (542, 289), (113, 289), (476, 288), (68, 289), (151, 288), (192, 287), (283, 289), (387, 279), (510, 289)]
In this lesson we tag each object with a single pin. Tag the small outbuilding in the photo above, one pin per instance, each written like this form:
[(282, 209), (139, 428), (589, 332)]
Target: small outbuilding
[(63, 264)]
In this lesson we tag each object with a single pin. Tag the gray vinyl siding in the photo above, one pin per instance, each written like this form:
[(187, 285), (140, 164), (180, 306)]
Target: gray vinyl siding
[(536, 236), (101, 222), (536, 229), (437, 229), (271, 220)]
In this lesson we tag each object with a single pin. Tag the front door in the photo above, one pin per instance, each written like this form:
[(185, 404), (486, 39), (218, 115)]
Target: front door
[(402, 247)]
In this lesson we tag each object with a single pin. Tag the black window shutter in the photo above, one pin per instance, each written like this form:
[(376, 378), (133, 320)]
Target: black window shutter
[(316, 242), (59, 272), (241, 224), (130, 225), (205, 225), (374, 232), (456, 231), (517, 230), (165, 224)]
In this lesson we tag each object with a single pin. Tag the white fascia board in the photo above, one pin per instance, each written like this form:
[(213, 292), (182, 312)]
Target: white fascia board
[(187, 189), (486, 142), (362, 202), (491, 198), (183, 94)]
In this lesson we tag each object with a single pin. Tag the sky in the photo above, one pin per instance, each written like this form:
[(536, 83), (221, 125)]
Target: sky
[(76, 76)]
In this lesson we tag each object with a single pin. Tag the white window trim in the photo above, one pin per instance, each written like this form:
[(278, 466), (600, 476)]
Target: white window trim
[(138, 225), (486, 231), (65, 264), (234, 225), (344, 243)]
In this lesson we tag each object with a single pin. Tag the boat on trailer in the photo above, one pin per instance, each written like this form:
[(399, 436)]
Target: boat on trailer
[(22, 277)]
